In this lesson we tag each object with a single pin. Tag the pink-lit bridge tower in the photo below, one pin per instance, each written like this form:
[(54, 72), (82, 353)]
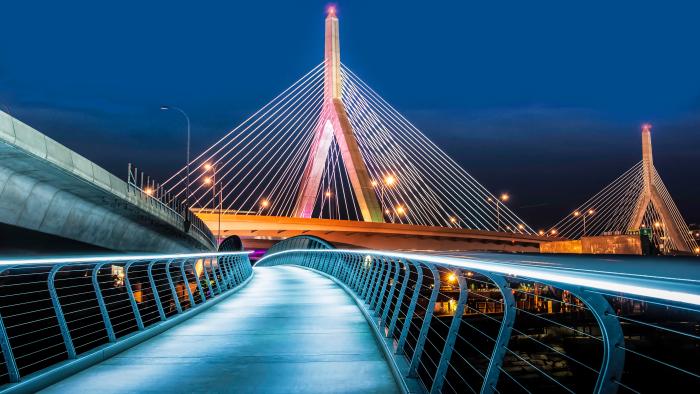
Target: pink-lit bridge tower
[(334, 124)]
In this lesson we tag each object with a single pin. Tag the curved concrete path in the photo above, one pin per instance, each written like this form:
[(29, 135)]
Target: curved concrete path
[(288, 331)]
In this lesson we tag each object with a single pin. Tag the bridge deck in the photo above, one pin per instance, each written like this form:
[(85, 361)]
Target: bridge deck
[(289, 330)]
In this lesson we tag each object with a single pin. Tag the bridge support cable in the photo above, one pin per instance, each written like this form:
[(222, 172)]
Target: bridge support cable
[(262, 166)]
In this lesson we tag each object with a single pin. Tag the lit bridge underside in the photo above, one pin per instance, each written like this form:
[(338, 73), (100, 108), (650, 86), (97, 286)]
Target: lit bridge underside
[(263, 231)]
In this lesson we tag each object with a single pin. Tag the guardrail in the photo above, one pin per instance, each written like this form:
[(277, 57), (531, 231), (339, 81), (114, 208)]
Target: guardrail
[(465, 325), (56, 311), (169, 205)]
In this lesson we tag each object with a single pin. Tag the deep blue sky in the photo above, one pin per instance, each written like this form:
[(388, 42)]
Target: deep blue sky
[(542, 99)]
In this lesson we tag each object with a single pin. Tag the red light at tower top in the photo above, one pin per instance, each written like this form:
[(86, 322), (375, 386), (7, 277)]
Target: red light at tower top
[(646, 127), (331, 10)]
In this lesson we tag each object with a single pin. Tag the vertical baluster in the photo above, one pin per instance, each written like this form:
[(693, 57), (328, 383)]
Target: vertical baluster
[(10, 363), (62, 325), (426, 321), (132, 299), (411, 308), (154, 290), (101, 302), (399, 299), (173, 290), (446, 354), (187, 283)]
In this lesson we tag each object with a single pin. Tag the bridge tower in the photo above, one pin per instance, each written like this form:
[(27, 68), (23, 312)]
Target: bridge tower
[(651, 195), (334, 124)]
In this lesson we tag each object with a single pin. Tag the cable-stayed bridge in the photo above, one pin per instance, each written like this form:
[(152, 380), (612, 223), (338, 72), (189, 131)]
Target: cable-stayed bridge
[(636, 201), (330, 147)]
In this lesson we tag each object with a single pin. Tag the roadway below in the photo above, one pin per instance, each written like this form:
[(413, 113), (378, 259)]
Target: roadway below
[(288, 331)]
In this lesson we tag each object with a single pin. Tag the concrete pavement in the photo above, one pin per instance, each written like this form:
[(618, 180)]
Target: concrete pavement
[(288, 331)]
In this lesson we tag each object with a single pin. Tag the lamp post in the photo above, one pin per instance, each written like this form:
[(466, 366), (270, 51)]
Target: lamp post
[(187, 187), (387, 181), (501, 200), (212, 180), (583, 217)]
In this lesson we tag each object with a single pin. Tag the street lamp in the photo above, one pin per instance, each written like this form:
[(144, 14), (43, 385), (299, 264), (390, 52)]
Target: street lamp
[(590, 212), (387, 181), (187, 187), (264, 203), (212, 167), (501, 200)]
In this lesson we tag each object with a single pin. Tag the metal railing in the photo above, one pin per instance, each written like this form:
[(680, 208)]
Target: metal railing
[(465, 325), (162, 199), (59, 310)]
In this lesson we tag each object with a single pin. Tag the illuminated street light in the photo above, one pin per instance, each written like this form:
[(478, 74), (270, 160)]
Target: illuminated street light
[(657, 224), (264, 203), (452, 278), (389, 180), (453, 220), (501, 200), (207, 181), (400, 210), (148, 191), (374, 183), (328, 194), (583, 217), (553, 232), (541, 232)]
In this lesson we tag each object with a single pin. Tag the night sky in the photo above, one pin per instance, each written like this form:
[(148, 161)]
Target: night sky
[(542, 99)]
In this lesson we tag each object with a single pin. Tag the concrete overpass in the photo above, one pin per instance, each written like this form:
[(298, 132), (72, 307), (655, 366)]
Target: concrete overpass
[(263, 231), (48, 188)]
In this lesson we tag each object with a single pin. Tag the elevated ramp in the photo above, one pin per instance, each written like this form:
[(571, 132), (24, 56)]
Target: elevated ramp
[(46, 187)]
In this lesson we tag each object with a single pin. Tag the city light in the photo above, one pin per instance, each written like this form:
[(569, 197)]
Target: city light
[(553, 232), (207, 181), (591, 212), (541, 232), (657, 224), (328, 194), (505, 197), (149, 191), (452, 278), (577, 213), (400, 209), (521, 227), (207, 167), (389, 180), (374, 183), (264, 203), (453, 219)]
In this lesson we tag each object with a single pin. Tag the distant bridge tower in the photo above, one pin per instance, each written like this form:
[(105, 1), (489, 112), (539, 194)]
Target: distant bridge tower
[(334, 122), (651, 195)]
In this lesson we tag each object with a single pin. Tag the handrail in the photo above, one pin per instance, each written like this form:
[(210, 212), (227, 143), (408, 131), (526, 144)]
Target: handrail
[(466, 324), (56, 310)]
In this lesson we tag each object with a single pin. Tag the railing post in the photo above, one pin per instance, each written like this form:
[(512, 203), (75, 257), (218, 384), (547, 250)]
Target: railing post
[(411, 309), (187, 283), (446, 354), (392, 290), (206, 276), (377, 303), (367, 285), (216, 278), (101, 303), (176, 299), (10, 363), (613, 338), (372, 297), (399, 299), (493, 371), (62, 325), (154, 290), (418, 351), (199, 282), (130, 292)]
